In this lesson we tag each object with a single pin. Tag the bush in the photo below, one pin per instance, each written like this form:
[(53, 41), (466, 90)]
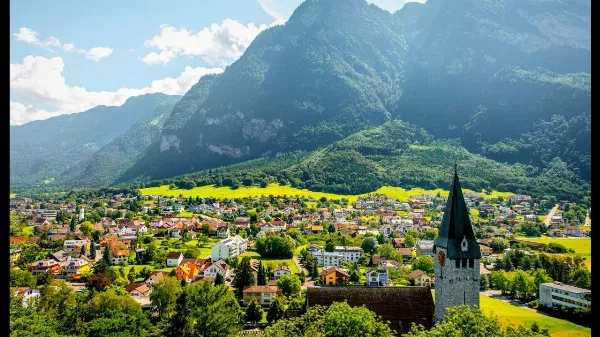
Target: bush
[(577, 316), (534, 304)]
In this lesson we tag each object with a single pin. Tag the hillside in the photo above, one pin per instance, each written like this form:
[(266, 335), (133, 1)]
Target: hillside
[(509, 79), (42, 150), (395, 154), (115, 158)]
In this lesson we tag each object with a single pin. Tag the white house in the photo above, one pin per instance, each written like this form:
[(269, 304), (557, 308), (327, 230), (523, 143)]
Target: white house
[(219, 267), (281, 271), (174, 259), (133, 229), (558, 294), (70, 245), (228, 248), (223, 232), (328, 259), (349, 254), (29, 294)]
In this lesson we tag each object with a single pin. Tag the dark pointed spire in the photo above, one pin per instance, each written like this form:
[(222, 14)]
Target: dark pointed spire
[(456, 225)]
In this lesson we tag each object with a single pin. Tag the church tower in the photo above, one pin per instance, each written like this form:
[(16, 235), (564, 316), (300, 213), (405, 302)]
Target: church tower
[(457, 256)]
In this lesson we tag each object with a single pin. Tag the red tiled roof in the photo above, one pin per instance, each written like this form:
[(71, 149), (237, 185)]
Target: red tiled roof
[(260, 289)]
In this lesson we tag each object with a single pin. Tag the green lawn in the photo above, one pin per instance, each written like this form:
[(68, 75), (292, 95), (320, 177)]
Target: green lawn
[(278, 190), (513, 315), (581, 246), (250, 253), (298, 249), (281, 262), (509, 314), (185, 214)]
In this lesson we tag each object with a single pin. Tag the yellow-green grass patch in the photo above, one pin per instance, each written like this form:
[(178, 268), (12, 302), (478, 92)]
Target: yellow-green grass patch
[(399, 193), (509, 314), (298, 249), (581, 246), (281, 262), (12, 195)]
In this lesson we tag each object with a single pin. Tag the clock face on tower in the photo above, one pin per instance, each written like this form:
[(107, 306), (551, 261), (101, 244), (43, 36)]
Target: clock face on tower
[(442, 258)]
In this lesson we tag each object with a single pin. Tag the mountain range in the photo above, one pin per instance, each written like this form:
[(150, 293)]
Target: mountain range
[(502, 87)]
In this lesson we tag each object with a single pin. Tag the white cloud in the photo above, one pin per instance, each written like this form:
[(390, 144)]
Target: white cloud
[(68, 47), (39, 82), (219, 44), (280, 10), (98, 53), (30, 36), (27, 35)]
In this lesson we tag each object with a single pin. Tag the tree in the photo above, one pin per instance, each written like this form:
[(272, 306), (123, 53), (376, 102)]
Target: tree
[(424, 263), (389, 252), (276, 310), (329, 246), (179, 325), (21, 278), (83, 250), (254, 312), (523, 285), (45, 279), (276, 247), (86, 227), (261, 277), (409, 241), (244, 276), (331, 228), (72, 224), (498, 245), (289, 284), (164, 295), (145, 273), (131, 275), (369, 245), (540, 276), (343, 320), (106, 255), (314, 274), (211, 311), (98, 282), (431, 234), (192, 253), (354, 275), (219, 279), (93, 251), (465, 321), (582, 278)]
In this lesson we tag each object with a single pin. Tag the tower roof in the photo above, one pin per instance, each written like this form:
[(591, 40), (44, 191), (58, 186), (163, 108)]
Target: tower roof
[(456, 226)]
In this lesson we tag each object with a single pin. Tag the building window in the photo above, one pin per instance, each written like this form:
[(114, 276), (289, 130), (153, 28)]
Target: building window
[(464, 263), (457, 263), (471, 263)]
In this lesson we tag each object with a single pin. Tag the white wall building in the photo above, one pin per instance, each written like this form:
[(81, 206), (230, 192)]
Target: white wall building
[(328, 259), (228, 248), (559, 294), (349, 254)]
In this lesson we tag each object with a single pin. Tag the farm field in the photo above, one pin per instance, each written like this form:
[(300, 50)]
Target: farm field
[(581, 246), (278, 190), (509, 314)]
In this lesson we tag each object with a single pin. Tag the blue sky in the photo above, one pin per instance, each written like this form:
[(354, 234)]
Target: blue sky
[(68, 56)]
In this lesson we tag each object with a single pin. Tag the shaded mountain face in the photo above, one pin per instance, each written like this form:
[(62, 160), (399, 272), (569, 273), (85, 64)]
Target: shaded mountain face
[(495, 74), (42, 150), (332, 70)]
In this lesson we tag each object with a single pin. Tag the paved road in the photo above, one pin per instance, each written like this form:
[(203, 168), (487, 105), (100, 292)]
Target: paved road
[(550, 215)]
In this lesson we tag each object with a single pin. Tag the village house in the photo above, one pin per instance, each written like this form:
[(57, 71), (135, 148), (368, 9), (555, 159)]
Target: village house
[(223, 232), (75, 268), (328, 259), (155, 276), (139, 290), (377, 277), (118, 255), (559, 294), (45, 265), (349, 254), (425, 247), (29, 294), (407, 253), (420, 278), (219, 267), (281, 271), (334, 276), (174, 259), (264, 295), (71, 245)]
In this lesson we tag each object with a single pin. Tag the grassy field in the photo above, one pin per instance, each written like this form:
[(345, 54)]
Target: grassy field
[(281, 262), (298, 249), (512, 315), (581, 246), (277, 190)]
